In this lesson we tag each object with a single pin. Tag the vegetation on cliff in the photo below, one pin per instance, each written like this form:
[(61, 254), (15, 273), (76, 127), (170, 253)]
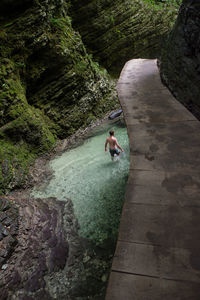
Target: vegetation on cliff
[(160, 3), (50, 84), (115, 32)]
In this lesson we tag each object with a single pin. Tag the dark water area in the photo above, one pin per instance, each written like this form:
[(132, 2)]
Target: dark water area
[(96, 185)]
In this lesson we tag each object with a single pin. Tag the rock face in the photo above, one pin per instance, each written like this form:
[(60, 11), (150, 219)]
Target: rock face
[(180, 61), (50, 86), (116, 31), (8, 230), (38, 245)]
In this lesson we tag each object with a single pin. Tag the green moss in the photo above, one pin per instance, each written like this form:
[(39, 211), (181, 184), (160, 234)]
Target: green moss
[(50, 86), (160, 4), (14, 163), (22, 140), (3, 35), (113, 37), (8, 24), (24, 132), (60, 23)]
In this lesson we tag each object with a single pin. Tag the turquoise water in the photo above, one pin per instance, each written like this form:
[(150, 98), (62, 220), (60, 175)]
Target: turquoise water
[(94, 183)]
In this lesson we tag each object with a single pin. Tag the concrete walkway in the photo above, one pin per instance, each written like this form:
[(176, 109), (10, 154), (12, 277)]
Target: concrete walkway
[(158, 250)]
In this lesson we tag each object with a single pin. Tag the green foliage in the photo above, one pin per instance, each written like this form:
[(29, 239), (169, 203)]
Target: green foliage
[(60, 22), (8, 24), (3, 35), (20, 64), (120, 34), (44, 65), (24, 131), (159, 4), (21, 141), (112, 20), (81, 67), (14, 163), (86, 64), (95, 65)]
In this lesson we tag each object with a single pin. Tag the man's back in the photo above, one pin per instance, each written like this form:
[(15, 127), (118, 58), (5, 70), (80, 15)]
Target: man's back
[(112, 142)]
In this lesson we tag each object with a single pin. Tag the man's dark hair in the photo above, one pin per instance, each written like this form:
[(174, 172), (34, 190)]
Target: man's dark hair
[(111, 132)]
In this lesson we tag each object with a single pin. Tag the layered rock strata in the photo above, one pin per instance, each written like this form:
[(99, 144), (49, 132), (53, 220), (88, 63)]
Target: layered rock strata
[(43, 246), (8, 230), (180, 61), (115, 32), (50, 86)]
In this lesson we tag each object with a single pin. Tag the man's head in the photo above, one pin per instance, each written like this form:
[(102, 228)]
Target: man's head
[(111, 132)]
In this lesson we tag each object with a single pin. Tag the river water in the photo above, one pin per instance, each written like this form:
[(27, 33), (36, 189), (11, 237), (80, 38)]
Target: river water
[(95, 184)]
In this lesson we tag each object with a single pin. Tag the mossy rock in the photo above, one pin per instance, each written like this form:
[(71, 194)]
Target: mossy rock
[(24, 131), (121, 30), (50, 85)]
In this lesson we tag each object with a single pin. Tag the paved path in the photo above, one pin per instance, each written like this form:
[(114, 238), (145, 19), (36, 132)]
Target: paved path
[(158, 251)]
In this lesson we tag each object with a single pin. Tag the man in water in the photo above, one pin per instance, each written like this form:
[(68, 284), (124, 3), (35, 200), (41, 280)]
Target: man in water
[(113, 145)]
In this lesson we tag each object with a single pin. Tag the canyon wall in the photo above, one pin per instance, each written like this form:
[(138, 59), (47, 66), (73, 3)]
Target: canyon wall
[(180, 61), (51, 84), (116, 31)]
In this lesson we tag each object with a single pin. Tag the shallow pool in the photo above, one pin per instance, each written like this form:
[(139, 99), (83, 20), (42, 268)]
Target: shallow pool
[(94, 183)]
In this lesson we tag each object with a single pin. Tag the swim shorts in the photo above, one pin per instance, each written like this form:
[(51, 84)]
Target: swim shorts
[(114, 151)]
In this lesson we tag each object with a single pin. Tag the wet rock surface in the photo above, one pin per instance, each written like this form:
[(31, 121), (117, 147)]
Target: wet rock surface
[(8, 230), (180, 61), (121, 30), (35, 244)]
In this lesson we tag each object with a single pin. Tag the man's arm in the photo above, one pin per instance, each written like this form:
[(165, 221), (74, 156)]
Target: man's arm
[(106, 143), (118, 146)]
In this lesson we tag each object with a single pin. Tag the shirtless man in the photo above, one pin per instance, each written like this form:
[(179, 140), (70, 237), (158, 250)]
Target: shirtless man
[(113, 145)]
